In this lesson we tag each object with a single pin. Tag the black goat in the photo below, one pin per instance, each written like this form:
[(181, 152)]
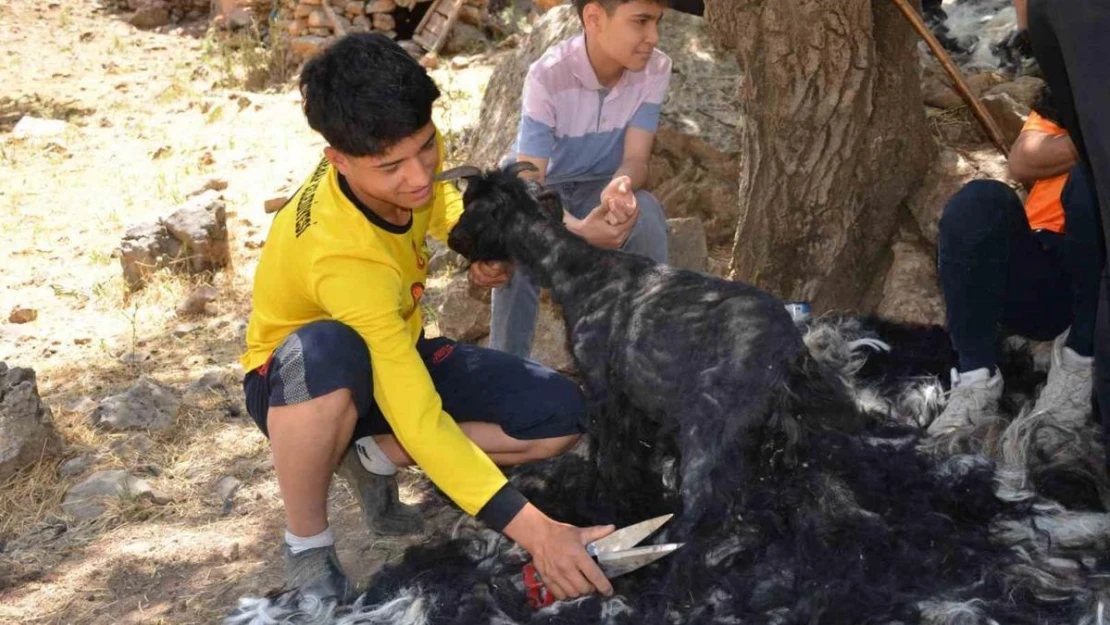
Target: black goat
[(717, 367)]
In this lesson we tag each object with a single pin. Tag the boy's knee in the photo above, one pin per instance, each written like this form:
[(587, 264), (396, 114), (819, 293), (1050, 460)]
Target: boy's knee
[(976, 210), (649, 235), (546, 448)]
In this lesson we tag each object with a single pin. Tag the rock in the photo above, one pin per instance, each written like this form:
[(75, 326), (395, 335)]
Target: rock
[(939, 93), (414, 49), (385, 21), (307, 46), (213, 381), (83, 406), (1008, 113), (442, 258), (148, 404), (193, 239), (26, 424), (381, 6), (275, 203), (464, 313), (463, 37), (185, 329), (948, 174), (695, 163), (197, 301), (20, 314), (354, 7), (144, 249), (135, 445), (36, 128), (225, 491), (151, 15), (212, 184), (429, 61), (911, 292), (980, 82), (75, 466), (1024, 90), (686, 245), (90, 499), (200, 224)]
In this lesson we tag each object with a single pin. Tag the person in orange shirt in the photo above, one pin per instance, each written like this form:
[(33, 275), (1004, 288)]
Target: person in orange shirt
[(1032, 269)]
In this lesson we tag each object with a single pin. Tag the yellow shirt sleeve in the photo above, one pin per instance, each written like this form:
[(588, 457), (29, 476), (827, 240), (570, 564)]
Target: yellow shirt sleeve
[(354, 290)]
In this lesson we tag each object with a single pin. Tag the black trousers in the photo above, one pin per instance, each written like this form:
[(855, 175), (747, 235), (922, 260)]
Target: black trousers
[(1071, 40)]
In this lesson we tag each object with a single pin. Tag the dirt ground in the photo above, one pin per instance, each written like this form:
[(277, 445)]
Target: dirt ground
[(152, 117)]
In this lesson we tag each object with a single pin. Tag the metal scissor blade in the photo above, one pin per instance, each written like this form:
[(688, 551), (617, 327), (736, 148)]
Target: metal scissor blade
[(627, 537), (615, 564)]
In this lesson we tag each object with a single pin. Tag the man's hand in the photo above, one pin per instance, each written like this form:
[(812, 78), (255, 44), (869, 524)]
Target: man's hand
[(559, 553), (489, 273), (619, 197), (597, 229)]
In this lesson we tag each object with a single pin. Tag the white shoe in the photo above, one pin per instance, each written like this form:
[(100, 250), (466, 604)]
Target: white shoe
[(1067, 394), (973, 393)]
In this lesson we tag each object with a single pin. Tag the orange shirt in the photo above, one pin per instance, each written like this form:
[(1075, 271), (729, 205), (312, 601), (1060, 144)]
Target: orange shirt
[(1043, 207)]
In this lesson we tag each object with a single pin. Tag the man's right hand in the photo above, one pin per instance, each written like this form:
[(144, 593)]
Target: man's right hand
[(596, 228), (559, 553)]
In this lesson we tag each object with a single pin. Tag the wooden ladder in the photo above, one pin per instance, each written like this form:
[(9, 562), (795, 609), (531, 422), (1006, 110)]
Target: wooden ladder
[(437, 23)]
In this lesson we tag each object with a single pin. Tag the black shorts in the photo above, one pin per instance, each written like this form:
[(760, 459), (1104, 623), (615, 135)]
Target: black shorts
[(528, 400)]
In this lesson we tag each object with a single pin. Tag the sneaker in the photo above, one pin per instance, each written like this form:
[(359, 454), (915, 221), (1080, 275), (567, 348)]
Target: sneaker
[(377, 496), (317, 573), (967, 400), (1067, 394)]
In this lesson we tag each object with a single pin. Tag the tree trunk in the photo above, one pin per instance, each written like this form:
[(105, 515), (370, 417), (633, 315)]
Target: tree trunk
[(832, 140)]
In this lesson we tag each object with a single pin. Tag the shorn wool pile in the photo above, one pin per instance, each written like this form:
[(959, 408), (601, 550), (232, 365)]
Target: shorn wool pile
[(815, 499)]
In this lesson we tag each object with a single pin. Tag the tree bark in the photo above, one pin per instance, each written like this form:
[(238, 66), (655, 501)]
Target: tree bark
[(832, 139)]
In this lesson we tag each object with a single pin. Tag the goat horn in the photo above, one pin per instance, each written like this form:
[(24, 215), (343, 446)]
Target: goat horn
[(516, 168), (464, 171)]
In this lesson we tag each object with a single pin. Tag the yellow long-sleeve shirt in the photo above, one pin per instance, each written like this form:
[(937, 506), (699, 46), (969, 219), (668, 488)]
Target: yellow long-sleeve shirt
[(324, 258)]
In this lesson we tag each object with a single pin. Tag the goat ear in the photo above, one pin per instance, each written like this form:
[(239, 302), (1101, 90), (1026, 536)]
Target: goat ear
[(464, 171), (518, 167)]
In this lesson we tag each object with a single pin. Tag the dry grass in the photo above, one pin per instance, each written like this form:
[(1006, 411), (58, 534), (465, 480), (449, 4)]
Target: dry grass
[(151, 117)]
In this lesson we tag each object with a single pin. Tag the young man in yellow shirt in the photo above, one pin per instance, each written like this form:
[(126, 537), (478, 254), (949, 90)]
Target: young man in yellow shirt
[(339, 371)]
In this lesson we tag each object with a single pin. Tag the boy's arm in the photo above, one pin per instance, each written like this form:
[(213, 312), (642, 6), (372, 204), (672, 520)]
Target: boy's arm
[(637, 156), (639, 138), (356, 292), (536, 139)]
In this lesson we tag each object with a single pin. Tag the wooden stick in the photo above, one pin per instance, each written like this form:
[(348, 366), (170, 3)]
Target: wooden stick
[(330, 14), (982, 114)]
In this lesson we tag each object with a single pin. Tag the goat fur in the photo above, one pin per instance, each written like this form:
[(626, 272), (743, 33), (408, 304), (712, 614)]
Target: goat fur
[(796, 464)]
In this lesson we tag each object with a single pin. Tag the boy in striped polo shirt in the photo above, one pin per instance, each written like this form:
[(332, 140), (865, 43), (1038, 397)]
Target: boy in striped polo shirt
[(590, 111)]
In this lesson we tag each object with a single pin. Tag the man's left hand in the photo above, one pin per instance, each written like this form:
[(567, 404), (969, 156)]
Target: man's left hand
[(490, 273)]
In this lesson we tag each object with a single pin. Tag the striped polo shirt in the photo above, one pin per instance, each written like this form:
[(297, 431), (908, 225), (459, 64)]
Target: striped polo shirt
[(569, 118)]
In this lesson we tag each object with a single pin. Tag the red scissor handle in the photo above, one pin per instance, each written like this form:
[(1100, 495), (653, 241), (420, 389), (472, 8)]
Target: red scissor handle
[(538, 596)]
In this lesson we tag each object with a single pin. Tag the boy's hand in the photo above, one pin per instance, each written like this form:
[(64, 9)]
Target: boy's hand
[(489, 273), (559, 554), (621, 201), (597, 229)]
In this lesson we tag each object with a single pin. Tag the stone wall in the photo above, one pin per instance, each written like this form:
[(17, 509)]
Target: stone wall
[(309, 23)]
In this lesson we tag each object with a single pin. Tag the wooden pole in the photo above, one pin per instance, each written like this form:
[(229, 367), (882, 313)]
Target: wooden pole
[(981, 113)]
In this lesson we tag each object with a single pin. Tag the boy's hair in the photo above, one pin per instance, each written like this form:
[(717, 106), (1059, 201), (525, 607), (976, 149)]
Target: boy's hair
[(364, 94), (1045, 105), (609, 5)]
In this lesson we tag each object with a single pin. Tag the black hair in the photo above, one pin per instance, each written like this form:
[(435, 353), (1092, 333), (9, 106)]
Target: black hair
[(1045, 106), (609, 5), (364, 94)]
